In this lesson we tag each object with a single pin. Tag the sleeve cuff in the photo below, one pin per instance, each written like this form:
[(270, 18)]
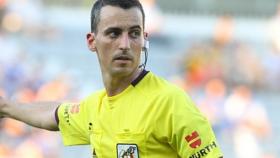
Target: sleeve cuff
[(56, 115)]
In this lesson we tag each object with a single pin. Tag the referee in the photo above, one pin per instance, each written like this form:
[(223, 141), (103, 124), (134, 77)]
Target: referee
[(137, 114)]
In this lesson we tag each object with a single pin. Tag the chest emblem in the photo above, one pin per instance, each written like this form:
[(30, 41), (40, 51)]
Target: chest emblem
[(127, 151)]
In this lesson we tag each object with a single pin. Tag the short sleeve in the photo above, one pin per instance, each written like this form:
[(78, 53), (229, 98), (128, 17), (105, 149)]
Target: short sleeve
[(71, 119), (183, 126), (192, 135)]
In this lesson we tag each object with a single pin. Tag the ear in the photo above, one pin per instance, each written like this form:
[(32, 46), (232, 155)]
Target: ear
[(146, 35), (91, 41)]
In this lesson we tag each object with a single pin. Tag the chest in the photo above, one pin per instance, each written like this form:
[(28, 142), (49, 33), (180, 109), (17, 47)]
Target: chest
[(122, 129)]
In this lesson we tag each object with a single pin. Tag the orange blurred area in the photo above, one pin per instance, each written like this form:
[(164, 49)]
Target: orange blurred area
[(13, 128), (55, 90), (2, 3), (12, 22)]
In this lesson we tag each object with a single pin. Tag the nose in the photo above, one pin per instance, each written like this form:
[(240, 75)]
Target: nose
[(124, 42)]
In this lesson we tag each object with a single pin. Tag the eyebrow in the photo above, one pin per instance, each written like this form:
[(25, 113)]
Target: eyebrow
[(110, 29), (135, 27), (119, 29)]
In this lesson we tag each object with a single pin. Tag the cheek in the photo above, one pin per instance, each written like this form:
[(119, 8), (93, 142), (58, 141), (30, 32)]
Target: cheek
[(103, 43), (137, 45), (104, 48)]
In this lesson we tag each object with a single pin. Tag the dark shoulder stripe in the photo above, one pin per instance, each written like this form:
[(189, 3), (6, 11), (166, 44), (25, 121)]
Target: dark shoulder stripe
[(139, 78)]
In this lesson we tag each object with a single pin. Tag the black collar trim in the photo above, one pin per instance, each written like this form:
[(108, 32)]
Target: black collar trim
[(139, 78)]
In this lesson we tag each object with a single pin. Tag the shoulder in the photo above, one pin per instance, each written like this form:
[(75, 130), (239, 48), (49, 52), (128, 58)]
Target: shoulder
[(159, 88), (164, 87), (93, 98)]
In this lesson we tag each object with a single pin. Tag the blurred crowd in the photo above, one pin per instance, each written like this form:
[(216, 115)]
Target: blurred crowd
[(253, 63), (221, 74), (24, 78), (223, 82)]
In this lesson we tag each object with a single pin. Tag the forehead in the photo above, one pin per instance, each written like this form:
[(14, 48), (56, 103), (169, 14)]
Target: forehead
[(111, 16)]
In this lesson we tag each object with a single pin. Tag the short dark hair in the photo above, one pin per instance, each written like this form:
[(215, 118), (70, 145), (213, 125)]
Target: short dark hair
[(125, 4)]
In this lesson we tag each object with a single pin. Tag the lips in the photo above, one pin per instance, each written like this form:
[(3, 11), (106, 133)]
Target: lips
[(122, 57)]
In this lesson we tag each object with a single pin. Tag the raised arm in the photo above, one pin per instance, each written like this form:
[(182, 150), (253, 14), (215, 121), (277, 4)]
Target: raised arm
[(39, 114)]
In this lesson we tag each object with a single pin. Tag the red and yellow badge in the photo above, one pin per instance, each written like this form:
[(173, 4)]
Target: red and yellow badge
[(193, 140), (75, 108)]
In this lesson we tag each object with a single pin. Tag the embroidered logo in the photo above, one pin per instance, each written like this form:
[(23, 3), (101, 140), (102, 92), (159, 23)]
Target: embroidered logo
[(193, 140), (75, 108), (127, 151), (69, 110)]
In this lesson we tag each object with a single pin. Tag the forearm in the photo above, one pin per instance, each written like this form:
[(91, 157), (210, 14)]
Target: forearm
[(39, 114)]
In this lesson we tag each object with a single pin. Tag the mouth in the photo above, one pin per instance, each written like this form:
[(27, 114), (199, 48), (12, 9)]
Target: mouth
[(122, 58)]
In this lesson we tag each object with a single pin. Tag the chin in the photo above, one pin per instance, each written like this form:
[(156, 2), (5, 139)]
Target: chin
[(123, 71)]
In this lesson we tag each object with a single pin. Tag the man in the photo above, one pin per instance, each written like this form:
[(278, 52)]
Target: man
[(137, 114)]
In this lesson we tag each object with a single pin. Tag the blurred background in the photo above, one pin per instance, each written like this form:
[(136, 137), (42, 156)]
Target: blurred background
[(225, 54)]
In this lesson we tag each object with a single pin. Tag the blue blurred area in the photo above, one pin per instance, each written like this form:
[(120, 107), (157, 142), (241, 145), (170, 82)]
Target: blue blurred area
[(230, 66)]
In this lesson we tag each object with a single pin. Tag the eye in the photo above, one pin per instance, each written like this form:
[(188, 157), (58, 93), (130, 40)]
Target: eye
[(135, 33), (113, 34)]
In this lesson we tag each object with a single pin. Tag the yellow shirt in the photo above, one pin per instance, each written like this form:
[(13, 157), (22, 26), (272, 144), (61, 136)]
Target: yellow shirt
[(150, 119)]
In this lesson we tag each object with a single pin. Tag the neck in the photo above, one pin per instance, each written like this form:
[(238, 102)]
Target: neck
[(116, 84)]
